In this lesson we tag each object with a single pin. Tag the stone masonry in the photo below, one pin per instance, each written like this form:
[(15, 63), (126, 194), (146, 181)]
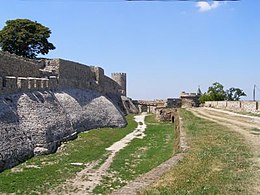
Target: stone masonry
[(248, 106), (45, 102)]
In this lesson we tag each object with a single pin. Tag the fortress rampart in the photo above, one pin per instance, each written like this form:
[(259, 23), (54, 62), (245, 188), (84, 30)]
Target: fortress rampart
[(13, 65), (11, 84), (45, 102), (18, 74)]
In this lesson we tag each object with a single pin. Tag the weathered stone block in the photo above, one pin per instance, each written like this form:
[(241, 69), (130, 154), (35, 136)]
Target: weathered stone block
[(233, 105), (10, 84), (38, 83), (53, 82), (222, 104), (249, 106), (22, 83), (45, 83), (31, 83)]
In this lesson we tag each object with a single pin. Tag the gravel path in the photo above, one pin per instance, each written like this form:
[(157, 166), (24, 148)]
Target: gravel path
[(247, 126)]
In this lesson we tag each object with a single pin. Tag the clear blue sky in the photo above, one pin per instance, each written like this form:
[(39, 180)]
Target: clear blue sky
[(164, 47)]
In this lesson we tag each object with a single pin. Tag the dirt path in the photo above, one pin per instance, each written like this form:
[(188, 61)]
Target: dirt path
[(247, 126), (87, 179), (147, 179)]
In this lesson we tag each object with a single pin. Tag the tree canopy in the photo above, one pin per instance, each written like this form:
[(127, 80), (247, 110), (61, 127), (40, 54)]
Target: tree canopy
[(216, 92), (234, 94), (25, 38)]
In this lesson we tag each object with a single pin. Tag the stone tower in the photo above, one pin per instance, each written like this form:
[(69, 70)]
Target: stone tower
[(120, 78)]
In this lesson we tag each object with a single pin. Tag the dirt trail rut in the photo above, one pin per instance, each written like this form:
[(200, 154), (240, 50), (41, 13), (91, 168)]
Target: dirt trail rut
[(87, 179), (247, 126)]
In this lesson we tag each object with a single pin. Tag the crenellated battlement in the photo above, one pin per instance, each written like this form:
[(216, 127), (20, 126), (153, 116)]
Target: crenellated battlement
[(118, 74), (11, 84), (22, 74)]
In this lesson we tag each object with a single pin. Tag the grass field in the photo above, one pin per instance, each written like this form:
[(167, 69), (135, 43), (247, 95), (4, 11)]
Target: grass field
[(41, 173), (140, 156), (218, 162)]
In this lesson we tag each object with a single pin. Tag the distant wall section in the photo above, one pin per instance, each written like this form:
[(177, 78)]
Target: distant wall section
[(153, 105), (248, 106), (189, 100)]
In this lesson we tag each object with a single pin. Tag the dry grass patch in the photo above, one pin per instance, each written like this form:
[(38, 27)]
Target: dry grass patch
[(218, 162)]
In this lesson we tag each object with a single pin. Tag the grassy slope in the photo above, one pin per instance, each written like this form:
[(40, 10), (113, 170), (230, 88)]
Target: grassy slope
[(140, 156), (217, 163), (55, 168)]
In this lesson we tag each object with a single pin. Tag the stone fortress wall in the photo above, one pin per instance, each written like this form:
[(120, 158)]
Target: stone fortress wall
[(186, 100), (18, 74), (45, 102), (248, 106), (13, 65), (120, 78), (189, 99), (152, 105)]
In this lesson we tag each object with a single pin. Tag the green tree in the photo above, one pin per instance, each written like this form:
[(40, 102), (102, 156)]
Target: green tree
[(215, 92), (234, 94), (25, 38)]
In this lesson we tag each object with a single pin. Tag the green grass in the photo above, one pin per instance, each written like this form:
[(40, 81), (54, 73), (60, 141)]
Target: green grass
[(56, 168), (218, 162), (255, 131), (245, 113), (140, 156)]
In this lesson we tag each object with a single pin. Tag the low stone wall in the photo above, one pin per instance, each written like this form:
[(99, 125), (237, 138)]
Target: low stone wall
[(166, 114), (37, 122), (152, 105), (173, 115), (248, 106)]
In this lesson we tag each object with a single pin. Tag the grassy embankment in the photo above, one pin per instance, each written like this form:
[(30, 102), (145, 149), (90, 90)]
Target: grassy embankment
[(140, 156), (45, 172), (248, 113), (218, 162)]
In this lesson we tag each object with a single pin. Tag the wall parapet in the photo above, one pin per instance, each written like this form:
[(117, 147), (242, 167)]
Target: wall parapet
[(11, 84), (20, 58), (248, 106), (19, 74)]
